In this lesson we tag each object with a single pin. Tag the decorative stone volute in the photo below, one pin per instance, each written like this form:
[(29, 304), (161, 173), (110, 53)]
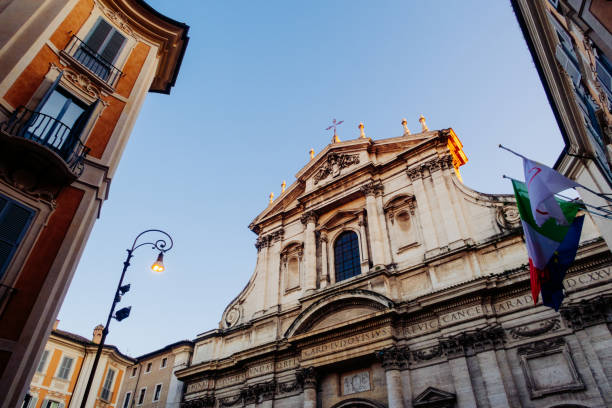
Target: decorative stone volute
[(392, 358), (307, 377), (372, 188), (309, 216)]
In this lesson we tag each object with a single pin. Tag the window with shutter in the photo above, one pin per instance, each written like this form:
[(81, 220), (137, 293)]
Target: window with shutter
[(14, 221), (43, 361), (108, 383), (64, 370), (100, 50)]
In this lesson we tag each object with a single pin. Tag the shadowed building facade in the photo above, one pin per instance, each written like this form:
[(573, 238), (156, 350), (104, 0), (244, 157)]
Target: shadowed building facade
[(73, 77), (384, 281)]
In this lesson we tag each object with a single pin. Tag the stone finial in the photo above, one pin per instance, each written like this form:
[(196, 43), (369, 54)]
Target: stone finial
[(335, 138), (283, 185), (271, 198), (97, 334), (311, 154), (424, 127), (405, 125), (361, 132)]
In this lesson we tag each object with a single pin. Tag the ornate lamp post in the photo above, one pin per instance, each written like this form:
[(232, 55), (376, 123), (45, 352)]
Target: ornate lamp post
[(160, 245)]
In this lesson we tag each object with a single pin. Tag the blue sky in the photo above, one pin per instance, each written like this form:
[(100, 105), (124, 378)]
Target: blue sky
[(259, 83)]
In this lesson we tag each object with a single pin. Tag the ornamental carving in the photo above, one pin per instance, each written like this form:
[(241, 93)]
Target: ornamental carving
[(419, 356), (470, 343), (508, 217), (543, 327), (206, 401), (232, 316), (588, 312), (230, 401), (334, 163), (542, 345), (82, 82), (372, 188), (439, 163), (116, 17), (268, 240), (309, 216), (393, 358), (29, 184), (307, 377)]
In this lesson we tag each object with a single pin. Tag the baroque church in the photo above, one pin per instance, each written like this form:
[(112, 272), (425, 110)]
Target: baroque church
[(384, 281)]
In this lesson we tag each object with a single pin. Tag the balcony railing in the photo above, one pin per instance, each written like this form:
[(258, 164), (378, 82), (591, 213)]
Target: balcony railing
[(49, 132), (93, 61)]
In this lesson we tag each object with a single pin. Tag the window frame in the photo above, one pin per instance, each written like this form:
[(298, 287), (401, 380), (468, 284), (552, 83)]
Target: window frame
[(127, 399), (164, 363), (357, 268), (148, 367), (141, 396), (20, 238), (109, 390), (134, 371), (157, 392), (61, 367), (42, 363)]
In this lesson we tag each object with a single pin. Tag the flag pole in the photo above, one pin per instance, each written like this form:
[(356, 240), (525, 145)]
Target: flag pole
[(609, 216), (604, 196)]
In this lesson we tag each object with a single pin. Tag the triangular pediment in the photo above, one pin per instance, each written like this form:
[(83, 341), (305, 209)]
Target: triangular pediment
[(434, 397)]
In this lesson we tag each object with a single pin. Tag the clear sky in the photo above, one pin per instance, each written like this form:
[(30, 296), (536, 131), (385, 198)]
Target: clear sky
[(259, 83)]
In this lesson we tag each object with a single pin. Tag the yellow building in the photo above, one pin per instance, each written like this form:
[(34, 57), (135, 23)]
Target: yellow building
[(62, 372)]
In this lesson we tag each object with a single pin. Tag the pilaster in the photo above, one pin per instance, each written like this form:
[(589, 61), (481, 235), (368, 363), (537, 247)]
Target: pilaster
[(424, 209), (324, 260), (365, 259), (308, 378), (309, 219), (378, 252), (391, 360)]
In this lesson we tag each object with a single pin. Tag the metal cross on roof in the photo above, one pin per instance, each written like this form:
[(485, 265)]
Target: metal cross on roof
[(333, 126)]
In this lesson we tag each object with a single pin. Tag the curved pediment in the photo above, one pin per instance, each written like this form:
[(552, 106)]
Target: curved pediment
[(338, 308)]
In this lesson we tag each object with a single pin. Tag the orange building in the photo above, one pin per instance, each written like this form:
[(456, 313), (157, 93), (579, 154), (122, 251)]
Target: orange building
[(64, 367), (73, 77)]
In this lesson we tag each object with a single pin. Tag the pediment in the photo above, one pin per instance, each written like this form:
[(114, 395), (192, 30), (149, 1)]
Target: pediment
[(339, 218), (434, 397)]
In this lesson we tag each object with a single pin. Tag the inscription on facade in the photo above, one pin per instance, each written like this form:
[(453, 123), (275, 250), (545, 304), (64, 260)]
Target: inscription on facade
[(261, 369), (287, 364), (508, 305), (421, 328), (343, 344), (354, 383), (197, 386), (588, 278), (231, 380), (464, 314)]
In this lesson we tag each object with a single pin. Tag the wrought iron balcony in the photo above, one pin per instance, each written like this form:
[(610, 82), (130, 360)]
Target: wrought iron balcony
[(93, 62), (49, 132)]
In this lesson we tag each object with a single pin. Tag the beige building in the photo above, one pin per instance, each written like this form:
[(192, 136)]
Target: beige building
[(571, 45), (73, 77), (382, 280), (151, 381), (63, 370)]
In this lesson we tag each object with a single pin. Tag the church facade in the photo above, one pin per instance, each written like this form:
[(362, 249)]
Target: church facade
[(383, 281)]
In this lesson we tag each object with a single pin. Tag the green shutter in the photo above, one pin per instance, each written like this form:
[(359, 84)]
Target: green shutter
[(14, 221), (98, 35), (113, 47)]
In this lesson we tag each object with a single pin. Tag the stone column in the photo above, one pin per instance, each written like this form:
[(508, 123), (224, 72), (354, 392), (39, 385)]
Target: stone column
[(262, 244), (387, 258), (444, 200), (391, 359), (365, 259), (460, 372), (273, 268), (496, 393), (324, 261), (310, 263), (427, 222), (308, 378), (370, 190), (266, 394)]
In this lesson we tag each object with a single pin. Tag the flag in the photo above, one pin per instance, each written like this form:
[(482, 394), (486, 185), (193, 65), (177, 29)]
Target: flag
[(543, 183), (562, 259), (542, 241)]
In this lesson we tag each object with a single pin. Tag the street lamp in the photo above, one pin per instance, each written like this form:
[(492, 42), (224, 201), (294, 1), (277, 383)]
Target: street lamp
[(160, 245)]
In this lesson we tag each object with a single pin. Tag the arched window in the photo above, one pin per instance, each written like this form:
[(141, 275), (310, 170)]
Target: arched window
[(346, 256)]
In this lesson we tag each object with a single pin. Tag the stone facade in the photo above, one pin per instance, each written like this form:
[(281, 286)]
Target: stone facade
[(439, 313), (154, 373)]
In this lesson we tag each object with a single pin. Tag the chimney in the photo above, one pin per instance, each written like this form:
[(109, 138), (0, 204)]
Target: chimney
[(55, 323), (97, 334)]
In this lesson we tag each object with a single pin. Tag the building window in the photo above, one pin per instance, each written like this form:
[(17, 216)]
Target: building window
[(157, 392), (141, 396), (148, 369), (14, 221), (106, 393), (51, 404), (126, 401), (134, 371), (100, 50), (59, 121), (346, 256), (164, 362), (43, 362), (65, 367)]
